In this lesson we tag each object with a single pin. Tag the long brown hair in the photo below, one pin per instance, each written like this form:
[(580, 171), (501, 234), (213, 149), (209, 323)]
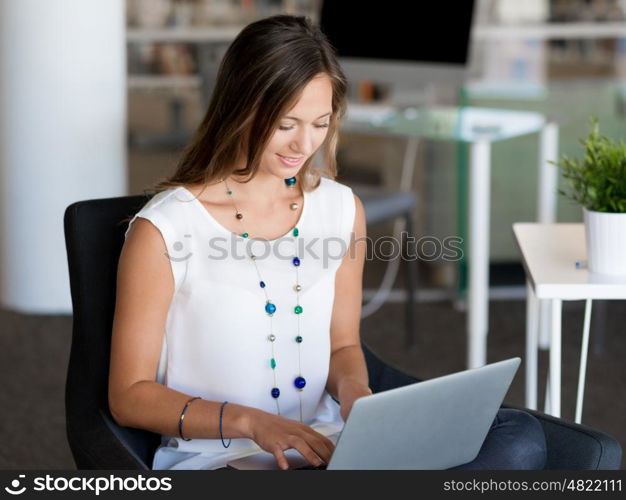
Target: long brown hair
[(260, 78)]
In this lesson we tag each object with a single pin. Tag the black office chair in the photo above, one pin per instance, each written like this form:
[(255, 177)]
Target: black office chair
[(94, 235)]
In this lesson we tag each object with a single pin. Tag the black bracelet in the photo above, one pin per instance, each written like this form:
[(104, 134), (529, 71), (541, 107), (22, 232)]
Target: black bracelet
[(222, 435), (182, 418)]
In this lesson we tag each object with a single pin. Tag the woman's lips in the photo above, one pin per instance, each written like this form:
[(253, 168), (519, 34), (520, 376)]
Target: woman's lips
[(290, 162)]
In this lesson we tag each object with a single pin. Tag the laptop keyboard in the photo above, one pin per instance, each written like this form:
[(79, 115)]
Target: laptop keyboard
[(312, 467)]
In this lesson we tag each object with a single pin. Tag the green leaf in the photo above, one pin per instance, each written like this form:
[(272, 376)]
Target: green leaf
[(598, 179)]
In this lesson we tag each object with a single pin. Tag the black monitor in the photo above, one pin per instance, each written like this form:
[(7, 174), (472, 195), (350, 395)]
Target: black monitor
[(407, 44)]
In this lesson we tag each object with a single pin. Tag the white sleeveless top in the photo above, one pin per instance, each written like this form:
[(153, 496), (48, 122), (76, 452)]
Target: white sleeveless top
[(216, 336)]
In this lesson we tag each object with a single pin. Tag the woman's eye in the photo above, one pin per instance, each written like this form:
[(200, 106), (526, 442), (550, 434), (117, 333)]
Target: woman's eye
[(286, 127)]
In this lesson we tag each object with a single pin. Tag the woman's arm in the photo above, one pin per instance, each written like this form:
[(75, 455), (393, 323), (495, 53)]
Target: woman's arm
[(145, 286), (347, 377)]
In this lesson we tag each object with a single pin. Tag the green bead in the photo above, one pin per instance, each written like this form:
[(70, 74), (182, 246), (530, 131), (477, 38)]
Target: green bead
[(299, 339), (273, 363), (229, 192), (295, 231), (245, 235), (297, 309)]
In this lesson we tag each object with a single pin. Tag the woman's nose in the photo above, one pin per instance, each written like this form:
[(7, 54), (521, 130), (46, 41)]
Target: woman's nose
[(303, 143)]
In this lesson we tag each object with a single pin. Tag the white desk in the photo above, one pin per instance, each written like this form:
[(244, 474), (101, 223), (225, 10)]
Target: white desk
[(480, 127), (550, 253)]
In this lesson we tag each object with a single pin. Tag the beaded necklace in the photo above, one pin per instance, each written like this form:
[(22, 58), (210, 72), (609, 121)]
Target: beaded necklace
[(270, 308)]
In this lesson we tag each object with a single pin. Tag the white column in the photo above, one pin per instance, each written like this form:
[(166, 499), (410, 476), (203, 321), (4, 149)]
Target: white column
[(62, 135)]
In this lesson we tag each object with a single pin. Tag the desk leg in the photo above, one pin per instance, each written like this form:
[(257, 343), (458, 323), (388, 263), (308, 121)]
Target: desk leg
[(547, 178), (532, 309), (545, 322), (546, 404), (583, 362), (478, 276), (546, 206), (555, 359), (408, 164)]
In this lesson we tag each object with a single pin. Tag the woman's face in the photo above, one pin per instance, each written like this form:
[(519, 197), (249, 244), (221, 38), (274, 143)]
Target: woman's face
[(301, 131)]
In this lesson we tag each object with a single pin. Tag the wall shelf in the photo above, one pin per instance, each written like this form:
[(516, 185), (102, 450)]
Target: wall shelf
[(209, 34), (549, 31)]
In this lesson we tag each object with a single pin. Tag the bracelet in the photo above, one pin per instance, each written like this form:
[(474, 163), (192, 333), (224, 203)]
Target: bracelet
[(182, 418), (222, 435)]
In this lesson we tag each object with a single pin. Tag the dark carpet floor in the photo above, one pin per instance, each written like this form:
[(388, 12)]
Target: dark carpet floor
[(34, 353)]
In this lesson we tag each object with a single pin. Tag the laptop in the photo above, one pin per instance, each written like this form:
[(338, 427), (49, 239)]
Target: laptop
[(434, 424)]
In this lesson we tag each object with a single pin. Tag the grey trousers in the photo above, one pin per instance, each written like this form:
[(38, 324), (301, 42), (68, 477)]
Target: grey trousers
[(515, 441)]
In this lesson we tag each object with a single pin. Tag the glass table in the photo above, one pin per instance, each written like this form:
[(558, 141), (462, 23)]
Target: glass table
[(479, 128)]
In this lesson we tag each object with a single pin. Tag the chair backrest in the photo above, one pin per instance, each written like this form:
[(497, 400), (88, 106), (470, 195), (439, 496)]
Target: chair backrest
[(94, 235)]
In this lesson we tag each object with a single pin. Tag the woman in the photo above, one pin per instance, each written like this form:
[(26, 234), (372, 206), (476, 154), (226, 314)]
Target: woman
[(249, 328)]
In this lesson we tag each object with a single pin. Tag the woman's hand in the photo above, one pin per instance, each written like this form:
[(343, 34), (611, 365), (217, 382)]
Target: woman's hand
[(276, 434), (349, 392)]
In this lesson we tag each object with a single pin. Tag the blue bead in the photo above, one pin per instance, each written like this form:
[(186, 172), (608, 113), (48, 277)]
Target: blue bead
[(275, 392), (299, 382), (296, 261), (270, 308), (291, 181), (262, 284)]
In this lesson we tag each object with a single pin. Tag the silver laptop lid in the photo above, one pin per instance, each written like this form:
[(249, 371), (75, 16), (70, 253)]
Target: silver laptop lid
[(434, 424)]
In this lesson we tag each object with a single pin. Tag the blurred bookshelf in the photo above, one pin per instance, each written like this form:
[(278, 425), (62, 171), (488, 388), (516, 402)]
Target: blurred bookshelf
[(173, 51), (164, 36)]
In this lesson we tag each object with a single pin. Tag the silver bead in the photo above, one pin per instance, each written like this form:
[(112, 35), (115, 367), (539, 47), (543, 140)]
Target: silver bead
[(271, 337), (294, 206), (252, 256), (297, 288)]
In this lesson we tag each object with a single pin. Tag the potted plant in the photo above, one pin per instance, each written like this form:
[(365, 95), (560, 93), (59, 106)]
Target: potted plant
[(598, 183)]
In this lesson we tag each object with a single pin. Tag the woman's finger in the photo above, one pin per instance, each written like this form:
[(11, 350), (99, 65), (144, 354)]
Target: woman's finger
[(280, 459), (305, 450), (322, 445)]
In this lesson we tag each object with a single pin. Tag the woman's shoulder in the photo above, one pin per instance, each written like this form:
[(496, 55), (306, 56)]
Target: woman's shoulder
[(333, 187), (336, 207), (167, 200), (160, 209)]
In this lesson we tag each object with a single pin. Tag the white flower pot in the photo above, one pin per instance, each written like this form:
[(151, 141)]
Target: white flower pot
[(605, 234)]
